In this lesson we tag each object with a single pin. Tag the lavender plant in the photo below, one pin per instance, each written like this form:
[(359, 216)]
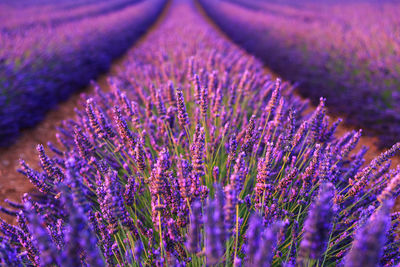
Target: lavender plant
[(21, 16), (346, 51), (52, 48), (196, 157)]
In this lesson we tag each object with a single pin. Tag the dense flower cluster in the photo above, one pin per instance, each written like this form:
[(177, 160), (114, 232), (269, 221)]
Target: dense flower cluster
[(52, 48), (345, 50), (196, 157)]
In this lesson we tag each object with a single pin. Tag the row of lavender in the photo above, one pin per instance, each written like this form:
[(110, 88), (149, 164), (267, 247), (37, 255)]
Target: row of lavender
[(20, 16), (195, 157), (44, 59), (347, 51)]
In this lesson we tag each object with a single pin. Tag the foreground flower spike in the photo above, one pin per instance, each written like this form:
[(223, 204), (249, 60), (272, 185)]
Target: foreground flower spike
[(370, 239), (214, 246), (253, 236), (230, 207), (193, 237), (261, 242), (47, 250), (79, 236), (220, 204), (264, 255), (138, 250), (318, 225)]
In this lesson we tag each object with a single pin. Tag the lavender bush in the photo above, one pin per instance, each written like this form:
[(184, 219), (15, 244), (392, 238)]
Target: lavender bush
[(196, 157), (346, 51), (49, 50), (21, 16)]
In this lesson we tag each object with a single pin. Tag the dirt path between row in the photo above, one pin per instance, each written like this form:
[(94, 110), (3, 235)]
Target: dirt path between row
[(13, 184)]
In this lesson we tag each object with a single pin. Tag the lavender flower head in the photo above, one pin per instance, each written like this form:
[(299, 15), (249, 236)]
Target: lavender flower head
[(370, 239), (318, 224), (193, 237)]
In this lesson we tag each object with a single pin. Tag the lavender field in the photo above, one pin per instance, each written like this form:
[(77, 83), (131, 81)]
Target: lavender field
[(191, 154), (51, 49), (346, 51)]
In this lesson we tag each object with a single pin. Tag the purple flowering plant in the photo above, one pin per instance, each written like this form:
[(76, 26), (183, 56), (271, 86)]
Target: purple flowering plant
[(344, 50), (51, 49), (196, 157)]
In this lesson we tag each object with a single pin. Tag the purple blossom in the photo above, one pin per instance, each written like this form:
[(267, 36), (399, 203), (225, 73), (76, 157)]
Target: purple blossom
[(193, 237), (318, 225), (370, 238), (213, 232), (183, 118)]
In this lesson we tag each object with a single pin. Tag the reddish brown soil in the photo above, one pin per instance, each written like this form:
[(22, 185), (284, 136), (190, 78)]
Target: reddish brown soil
[(14, 184)]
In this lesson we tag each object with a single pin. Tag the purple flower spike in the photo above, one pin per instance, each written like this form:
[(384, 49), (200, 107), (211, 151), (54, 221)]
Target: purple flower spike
[(237, 262), (230, 207), (261, 242), (123, 129), (138, 250), (140, 157), (370, 239), (197, 88), (79, 237), (54, 172), (171, 94), (113, 206), (391, 191), (318, 224), (94, 122), (204, 102), (220, 205), (47, 250), (35, 177), (160, 106), (273, 102), (193, 237), (198, 151), (249, 136), (213, 245), (184, 178), (266, 251), (183, 117)]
